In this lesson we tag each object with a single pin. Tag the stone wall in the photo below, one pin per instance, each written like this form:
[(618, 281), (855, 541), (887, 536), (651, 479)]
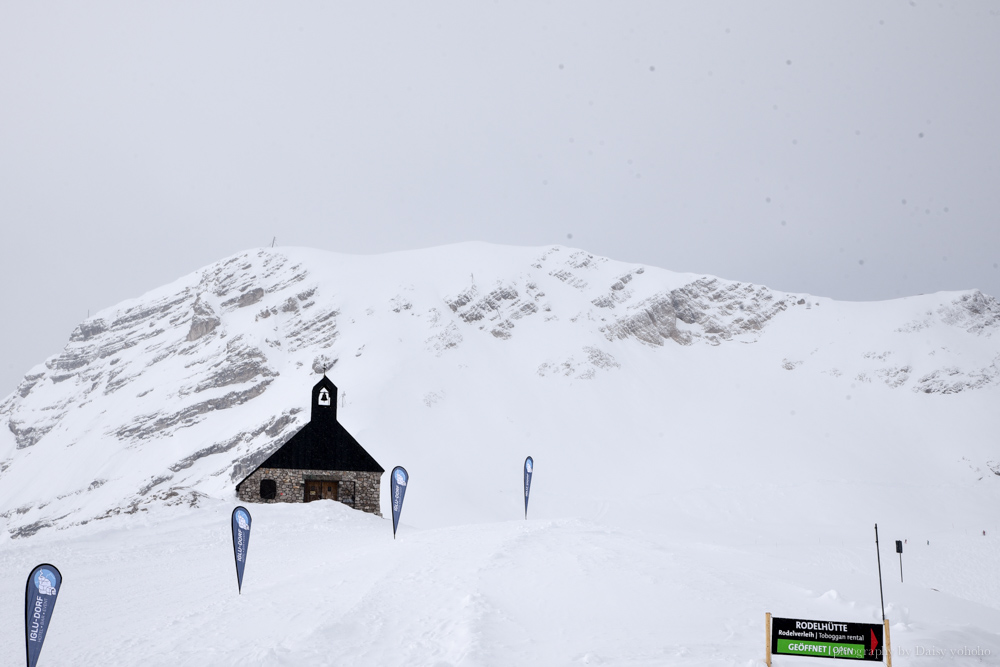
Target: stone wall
[(359, 490)]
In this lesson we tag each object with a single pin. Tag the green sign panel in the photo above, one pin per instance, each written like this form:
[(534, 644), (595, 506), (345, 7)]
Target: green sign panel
[(821, 649), (826, 639)]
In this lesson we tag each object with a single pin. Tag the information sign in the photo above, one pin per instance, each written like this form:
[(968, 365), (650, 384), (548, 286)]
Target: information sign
[(826, 639)]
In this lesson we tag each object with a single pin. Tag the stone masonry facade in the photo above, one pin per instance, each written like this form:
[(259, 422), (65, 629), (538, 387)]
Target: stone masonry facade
[(359, 490)]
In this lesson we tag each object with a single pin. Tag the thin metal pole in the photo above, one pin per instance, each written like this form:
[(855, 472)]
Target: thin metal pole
[(879, 556), (900, 568)]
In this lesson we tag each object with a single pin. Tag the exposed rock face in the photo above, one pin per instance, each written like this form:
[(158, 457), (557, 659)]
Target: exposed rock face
[(707, 308), (108, 354), (28, 383), (496, 310), (895, 376), (26, 435), (323, 363), (164, 423), (582, 369), (651, 322), (250, 297), (975, 312), (953, 380), (203, 321), (30, 529)]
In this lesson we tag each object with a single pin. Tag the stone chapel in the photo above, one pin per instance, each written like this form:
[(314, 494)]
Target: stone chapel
[(322, 461)]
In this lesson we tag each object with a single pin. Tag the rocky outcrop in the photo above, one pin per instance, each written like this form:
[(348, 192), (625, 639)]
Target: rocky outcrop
[(272, 429), (975, 312), (708, 309), (203, 322), (26, 435), (164, 423), (593, 360), (497, 309), (954, 380)]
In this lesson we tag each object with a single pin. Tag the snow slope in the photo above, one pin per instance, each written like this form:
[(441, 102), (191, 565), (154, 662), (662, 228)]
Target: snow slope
[(705, 451)]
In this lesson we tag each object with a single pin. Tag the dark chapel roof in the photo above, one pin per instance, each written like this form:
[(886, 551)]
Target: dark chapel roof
[(323, 444)]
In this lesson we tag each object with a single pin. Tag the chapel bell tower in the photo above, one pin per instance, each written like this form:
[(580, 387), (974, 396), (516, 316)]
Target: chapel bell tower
[(324, 401)]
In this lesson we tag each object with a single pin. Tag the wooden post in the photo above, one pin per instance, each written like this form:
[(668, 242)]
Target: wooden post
[(888, 646), (767, 639)]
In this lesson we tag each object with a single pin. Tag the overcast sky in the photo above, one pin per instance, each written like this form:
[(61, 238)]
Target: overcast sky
[(846, 149)]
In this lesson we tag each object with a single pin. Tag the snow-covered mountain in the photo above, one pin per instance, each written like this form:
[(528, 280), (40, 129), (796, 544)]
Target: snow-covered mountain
[(184, 390), (707, 410)]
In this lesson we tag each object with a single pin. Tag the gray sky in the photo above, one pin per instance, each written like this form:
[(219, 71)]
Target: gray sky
[(847, 149)]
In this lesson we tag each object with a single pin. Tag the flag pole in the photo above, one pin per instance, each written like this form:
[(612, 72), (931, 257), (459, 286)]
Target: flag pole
[(879, 556)]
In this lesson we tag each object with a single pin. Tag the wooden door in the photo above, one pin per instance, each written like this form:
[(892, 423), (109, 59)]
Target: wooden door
[(330, 490), (314, 491)]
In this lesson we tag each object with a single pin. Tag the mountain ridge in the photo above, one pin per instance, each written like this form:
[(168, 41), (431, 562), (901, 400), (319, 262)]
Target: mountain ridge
[(147, 380)]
